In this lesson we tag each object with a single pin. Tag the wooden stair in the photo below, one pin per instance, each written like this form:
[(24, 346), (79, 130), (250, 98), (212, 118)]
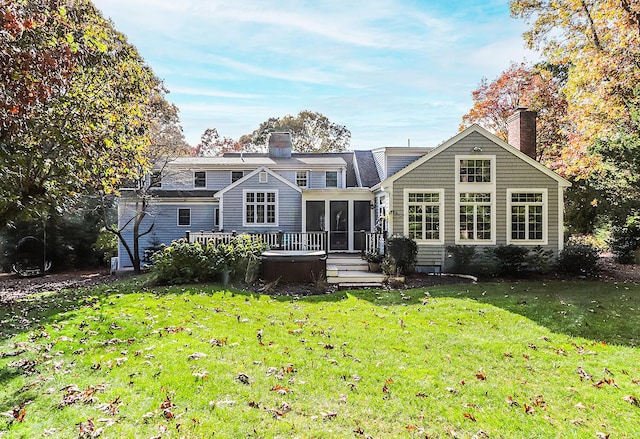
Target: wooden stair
[(351, 271)]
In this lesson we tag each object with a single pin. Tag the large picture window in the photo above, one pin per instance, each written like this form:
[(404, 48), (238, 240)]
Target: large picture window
[(475, 216), (260, 208), (424, 215), (527, 215)]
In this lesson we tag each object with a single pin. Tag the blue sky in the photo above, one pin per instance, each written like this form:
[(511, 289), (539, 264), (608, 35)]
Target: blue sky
[(389, 70)]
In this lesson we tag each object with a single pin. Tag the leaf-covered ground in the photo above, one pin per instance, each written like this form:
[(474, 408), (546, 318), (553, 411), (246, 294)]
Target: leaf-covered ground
[(127, 361)]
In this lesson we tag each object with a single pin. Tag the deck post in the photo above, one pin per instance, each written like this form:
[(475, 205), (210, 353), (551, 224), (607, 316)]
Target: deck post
[(280, 239), (326, 242), (186, 236)]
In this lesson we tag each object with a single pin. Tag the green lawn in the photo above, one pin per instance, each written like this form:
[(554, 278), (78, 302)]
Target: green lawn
[(490, 360)]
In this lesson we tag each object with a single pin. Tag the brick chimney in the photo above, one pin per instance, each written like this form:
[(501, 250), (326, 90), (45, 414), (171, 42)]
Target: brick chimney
[(521, 127), (280, 145)]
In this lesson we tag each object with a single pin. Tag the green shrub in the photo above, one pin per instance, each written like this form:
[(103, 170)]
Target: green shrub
[(510, 259), (579, 259), (540, 260), (461, 256), (182, 262), (404, 252), (625, 240)]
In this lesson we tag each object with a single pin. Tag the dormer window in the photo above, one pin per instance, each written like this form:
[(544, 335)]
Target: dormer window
[(331, 179)]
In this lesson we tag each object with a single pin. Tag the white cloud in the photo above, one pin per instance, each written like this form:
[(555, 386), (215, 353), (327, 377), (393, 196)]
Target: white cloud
[(387, 69)]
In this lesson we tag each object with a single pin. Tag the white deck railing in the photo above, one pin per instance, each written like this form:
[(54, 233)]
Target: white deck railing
[(298, 241), (373, 242)]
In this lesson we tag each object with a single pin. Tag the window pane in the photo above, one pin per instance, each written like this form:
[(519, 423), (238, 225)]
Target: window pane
[(518, 222), (535, 222), (260, 213)]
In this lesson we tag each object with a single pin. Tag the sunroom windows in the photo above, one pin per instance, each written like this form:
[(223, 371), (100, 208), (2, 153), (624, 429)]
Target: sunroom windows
[(475, 199), (424, 215), (527, 216), (475, 221)]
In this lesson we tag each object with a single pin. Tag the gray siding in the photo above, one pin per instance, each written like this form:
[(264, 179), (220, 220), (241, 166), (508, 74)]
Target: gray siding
[(317, 179), (511, 173), (164, 217), (289, 206), (397, 162)]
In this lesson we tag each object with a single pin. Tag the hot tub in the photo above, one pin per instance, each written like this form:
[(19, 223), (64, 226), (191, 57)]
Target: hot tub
[(293, 266)]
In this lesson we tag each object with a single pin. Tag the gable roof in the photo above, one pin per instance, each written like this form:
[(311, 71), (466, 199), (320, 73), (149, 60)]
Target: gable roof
[(248, 176), (475, 128)]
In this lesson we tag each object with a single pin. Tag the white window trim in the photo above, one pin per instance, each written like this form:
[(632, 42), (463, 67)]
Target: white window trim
[(263, 177), (178, 216), (407, 191), (475, 188), (244, 208), (306, 173), (545, 217), (337, 180), (194, 180)]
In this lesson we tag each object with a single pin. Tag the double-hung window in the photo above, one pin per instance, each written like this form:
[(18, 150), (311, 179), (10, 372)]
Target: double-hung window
[(200, 179), (423, 215), (475, 199), (302, 179), (527, 215), (184, 217), (260, 208)]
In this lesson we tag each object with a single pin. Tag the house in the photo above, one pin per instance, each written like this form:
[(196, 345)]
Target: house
[(473, 189)]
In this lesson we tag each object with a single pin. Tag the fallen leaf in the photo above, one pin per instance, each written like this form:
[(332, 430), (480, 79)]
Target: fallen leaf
[(511, 401), (469, 416), (632, 399), (329, 416)]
